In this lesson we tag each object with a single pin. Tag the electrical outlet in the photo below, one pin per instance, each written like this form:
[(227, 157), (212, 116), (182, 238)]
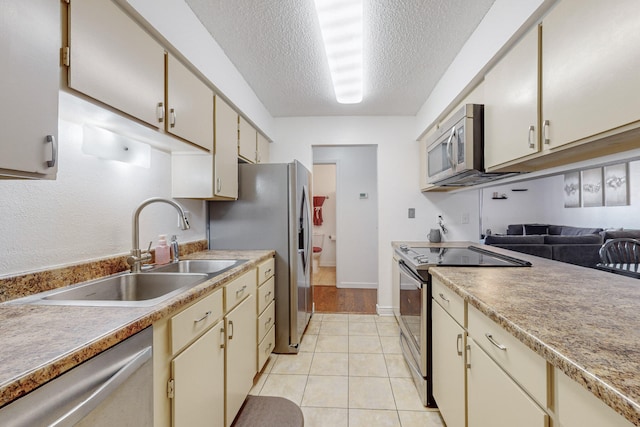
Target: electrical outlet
[(465, 217), (412, 212)]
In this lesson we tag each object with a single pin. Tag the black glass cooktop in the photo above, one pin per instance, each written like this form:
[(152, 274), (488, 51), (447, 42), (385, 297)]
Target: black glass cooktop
[(472, 256)]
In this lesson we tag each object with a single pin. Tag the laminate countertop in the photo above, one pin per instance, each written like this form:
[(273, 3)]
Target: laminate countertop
[(41, 342), (583, 321)]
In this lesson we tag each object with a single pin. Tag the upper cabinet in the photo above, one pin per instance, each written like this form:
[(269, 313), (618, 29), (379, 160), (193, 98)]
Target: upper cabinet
[(247, 141), (114, 60), (29, 48), (590, 66), (189, 105), (263, 149), (511, 104)]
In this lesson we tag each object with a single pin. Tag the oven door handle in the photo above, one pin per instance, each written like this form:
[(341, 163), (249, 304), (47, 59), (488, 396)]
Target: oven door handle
[(417, 281)]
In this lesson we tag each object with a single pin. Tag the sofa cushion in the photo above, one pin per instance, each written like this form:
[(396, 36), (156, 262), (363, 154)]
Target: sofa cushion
[(579, 231), (515, 229), (584, 255), (573, 240), (618, 234), (533, 229), (514, 240), (555, 229)]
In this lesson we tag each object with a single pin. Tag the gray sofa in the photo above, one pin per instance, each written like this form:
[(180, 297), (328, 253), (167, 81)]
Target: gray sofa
[(574, 245)]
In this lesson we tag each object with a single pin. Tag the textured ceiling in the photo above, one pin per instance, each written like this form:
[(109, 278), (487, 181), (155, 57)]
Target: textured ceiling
[(276, 46)]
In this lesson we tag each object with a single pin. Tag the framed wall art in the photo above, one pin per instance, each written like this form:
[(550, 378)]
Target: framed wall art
[(592, 188), (572, 191), (616, 185)]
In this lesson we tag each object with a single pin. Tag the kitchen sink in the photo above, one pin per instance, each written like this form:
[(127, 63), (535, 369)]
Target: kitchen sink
[(204, 266), (122, 290)]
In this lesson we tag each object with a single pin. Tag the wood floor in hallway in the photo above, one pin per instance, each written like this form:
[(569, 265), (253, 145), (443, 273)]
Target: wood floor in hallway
[(329, 299)]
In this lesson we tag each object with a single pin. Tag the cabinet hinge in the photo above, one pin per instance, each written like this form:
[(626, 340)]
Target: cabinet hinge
[(65, 55), (171, 389)]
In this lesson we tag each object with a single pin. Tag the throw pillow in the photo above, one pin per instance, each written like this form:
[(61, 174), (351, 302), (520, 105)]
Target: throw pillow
[(535, 229)]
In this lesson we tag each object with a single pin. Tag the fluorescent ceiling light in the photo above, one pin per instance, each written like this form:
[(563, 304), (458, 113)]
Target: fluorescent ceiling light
[(108, 145), (341, 27)]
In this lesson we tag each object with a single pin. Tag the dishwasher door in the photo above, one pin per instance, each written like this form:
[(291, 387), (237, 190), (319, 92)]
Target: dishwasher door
[(114, 388)]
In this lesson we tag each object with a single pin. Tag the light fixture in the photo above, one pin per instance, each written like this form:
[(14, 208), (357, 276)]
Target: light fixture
[(109, 145), (341, 26)]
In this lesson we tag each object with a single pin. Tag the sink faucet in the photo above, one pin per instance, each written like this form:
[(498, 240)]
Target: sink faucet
[(138, 257)]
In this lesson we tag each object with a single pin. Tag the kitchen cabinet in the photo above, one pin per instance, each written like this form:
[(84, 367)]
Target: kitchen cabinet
[(189, 105), (493, 398), (265, 309), (448, 335), (511, 104), (247, 141), (210, 176), (263, 149), (589, 67), (122, 68), (30, 46)]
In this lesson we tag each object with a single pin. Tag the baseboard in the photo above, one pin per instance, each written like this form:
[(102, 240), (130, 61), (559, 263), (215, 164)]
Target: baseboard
[(384, 311), (357, 285)]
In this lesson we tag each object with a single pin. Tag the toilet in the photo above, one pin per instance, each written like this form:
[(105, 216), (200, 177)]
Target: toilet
[(318, 240)]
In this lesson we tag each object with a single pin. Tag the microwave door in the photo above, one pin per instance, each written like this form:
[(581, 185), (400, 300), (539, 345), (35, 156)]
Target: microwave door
[(441, 157)]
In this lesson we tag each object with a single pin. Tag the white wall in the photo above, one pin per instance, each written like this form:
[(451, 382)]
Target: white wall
[(544, 203), (324, 184), (86, 213), (357, 218), (398, 183)]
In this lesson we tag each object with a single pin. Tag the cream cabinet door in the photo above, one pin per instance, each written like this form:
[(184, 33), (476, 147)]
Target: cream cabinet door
[(493, 399), (511, 104), (263, 149), (247, 141), (226, 151), (29, 51), (241, 355), (114, 60), (198, 374), (590, 66), (190, 105), (448, 366)]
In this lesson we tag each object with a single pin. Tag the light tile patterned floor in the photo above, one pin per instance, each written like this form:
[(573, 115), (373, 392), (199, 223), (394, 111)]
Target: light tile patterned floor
[(349, 373)]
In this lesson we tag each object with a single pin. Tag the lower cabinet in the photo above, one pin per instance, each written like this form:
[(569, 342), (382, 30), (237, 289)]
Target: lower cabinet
[(448, 366), (198, 381), (493, 398), (241, 355)]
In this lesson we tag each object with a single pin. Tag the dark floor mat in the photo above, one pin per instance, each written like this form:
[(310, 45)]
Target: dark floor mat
[(269, 411)]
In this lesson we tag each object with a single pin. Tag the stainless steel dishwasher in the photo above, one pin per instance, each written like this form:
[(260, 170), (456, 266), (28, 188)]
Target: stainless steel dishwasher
[(114, 388)]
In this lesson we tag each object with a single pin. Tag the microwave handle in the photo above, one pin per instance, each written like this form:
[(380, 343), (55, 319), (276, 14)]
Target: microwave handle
[(449, 148)]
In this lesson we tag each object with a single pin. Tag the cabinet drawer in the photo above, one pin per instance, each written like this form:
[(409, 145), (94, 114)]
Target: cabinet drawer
[(266, 294), (525, 367), (239, 289), (266, 320), (266, 270), (449, 300), (185, 326), (266, 347)]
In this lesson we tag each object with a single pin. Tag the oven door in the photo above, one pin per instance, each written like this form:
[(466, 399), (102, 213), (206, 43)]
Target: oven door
[(413, 315)]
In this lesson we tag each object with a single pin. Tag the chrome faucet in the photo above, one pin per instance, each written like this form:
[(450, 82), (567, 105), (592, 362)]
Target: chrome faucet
[(139, 257)]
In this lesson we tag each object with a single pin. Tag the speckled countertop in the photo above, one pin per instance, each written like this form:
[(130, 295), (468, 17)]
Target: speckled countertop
[(583, 321), (41, 342)]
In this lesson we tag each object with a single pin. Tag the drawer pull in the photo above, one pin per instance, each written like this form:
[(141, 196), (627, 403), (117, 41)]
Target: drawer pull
[(222, 333), (443, 297), (459, 344), (240, 291), (268, 349), (267, 273), (267, 297), (494, 342), (268, 321), (207, 314)]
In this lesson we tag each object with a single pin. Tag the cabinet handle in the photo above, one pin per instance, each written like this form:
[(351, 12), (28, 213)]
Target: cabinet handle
[(532, 131), (222, 333), (450, 149), (241, 290), (468, 348), (267, 273), (54, 150), (160, 112), (267, 297), (546, 125), (494, 342), (218, 185), (207, 314), (268, 321), (443, 297), (459, 344), (268, 349), (230, 329), (172, 117)]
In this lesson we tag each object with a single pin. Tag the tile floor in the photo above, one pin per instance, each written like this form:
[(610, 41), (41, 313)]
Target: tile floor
[(349, 373)]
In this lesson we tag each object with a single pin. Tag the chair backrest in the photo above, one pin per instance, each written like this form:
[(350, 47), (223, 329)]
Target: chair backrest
[(623, 251)]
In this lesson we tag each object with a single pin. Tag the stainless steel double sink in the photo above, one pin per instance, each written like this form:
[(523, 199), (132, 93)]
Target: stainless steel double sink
[(135, 289)]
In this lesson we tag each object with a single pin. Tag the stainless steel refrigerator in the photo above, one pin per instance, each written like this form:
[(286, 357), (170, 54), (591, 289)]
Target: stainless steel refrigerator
[(273, 212)]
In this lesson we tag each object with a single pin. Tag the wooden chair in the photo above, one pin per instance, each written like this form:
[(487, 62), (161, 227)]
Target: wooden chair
[(622, 254)]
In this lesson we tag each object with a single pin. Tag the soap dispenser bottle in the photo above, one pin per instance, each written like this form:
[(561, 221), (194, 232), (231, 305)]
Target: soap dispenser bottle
[(162, 251)]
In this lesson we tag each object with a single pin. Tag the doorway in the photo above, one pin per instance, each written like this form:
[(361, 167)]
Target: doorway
[(324, 224)]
